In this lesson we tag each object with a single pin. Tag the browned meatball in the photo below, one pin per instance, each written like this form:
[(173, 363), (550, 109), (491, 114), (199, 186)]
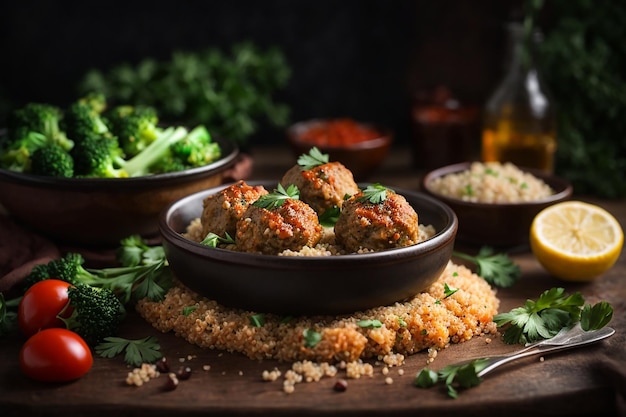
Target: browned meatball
[(322, 187), (389, 224), (222, 210), (292, 225)]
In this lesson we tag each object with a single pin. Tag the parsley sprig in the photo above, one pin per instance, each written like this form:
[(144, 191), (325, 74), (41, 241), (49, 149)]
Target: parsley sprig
[(374, 193), (136, 351), (212, 240), (551, 312), (497, 269), (277, 197), (453, 376), (313, 159)]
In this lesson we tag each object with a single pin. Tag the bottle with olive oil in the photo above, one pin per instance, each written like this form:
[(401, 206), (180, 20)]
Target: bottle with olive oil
[(519, 119)]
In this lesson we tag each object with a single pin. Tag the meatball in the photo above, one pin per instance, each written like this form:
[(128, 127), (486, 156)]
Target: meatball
[(391, 223), (292, 225), (323, 186), (222, 210)]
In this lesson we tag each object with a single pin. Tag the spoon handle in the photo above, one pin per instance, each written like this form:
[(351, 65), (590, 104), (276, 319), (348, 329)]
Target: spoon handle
[(543, 347)]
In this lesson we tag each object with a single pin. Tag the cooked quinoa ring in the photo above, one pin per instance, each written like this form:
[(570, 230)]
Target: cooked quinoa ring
[(491, 182), (428, 320)]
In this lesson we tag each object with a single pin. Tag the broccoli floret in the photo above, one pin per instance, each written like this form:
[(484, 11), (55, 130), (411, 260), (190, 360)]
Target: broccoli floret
[(149, 279), (98, 156), (52, 160), (16, 154), (196, 149), (135, 127), (97, 101), (38, 117), (96, 313), (82, 121), (29, 128)]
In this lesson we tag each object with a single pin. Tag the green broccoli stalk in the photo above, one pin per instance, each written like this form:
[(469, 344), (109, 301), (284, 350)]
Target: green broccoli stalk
[(151, 279), (141, 163), (52, 160), (95, 313)]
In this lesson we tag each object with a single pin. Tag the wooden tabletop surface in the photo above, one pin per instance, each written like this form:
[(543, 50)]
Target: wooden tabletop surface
[(585, 381)]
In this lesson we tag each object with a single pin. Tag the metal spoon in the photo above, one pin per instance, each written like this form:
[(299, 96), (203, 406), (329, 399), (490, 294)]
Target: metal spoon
[(565, 339)]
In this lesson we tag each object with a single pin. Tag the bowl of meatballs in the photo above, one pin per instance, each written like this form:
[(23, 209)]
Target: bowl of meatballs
[(313, 242)]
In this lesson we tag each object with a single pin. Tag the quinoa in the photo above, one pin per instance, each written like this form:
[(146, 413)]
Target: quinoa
[(429, 320), (491, 182)]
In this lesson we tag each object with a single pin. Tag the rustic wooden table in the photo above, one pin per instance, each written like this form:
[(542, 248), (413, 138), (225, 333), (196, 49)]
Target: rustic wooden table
[(587, 381)]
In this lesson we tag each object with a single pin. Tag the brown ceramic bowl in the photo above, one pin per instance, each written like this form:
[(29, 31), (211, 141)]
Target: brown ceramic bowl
[(307, 285), (99, 212), (362, 158), (497, 224)]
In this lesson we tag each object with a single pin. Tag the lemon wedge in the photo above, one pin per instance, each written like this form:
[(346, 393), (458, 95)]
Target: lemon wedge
[(576, 241)]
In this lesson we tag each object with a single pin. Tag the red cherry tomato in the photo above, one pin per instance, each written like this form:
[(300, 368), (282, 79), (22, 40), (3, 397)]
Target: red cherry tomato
[(40, 306), (55, 355)]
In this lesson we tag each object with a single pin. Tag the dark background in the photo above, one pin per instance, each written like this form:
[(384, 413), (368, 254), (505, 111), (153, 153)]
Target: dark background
[(363, 59)]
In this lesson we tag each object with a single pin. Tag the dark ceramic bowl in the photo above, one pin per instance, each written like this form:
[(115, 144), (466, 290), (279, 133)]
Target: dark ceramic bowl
[(497, 224), (99, 212), (362, 158), (307, 285)]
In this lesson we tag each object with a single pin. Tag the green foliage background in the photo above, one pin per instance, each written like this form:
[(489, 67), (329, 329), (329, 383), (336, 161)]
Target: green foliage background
[(583, 58)]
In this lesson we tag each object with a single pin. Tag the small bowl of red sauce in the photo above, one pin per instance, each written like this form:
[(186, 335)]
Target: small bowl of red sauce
[(361, 147)]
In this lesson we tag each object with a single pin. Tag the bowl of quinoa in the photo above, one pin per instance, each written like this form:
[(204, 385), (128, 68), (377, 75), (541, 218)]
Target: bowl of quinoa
[(495, 202)]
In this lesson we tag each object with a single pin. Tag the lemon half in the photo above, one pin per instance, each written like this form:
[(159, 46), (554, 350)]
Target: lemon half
[(576, 241)]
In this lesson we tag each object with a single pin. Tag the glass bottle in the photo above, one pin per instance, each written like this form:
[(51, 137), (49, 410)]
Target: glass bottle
[(519, 120)]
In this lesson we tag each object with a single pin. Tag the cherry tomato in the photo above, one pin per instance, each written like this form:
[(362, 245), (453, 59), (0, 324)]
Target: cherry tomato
[(55, 355), (40, 306)]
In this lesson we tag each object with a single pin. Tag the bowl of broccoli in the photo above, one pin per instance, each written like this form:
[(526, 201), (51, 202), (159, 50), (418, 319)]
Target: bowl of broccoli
[(91, 174)]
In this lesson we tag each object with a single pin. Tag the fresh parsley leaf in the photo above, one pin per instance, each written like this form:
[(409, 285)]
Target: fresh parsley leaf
[(277, 197), (497, 269), (596, 316), (453, 376), (374, 193), (136, 351), (541, 319), (401, 322), (313, 159), (375, 324), (212, 240), (447, 291), (187, 310), (311, 338), (329, 217), (257, 320)]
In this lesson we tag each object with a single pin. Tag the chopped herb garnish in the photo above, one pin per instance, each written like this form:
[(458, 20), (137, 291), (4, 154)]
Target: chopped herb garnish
[(311, 338), (447, 291), (188, 310), (497, 269), (257, 320), (468, 190), (277, 197), (212, 240), (137, 351), (329, 217), (374, 193), (523, 185), (453, 376), (401, 322), (553, 311), (375, 324), (492, 172), (313, 159), (424, 332)]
